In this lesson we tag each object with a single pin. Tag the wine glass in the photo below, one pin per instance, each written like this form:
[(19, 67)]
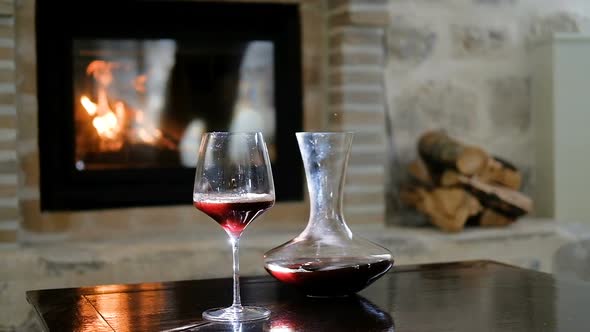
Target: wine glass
[(233, 186)]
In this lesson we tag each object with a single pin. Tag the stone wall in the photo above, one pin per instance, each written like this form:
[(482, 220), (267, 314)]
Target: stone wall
[(34, 225), (462, 65)]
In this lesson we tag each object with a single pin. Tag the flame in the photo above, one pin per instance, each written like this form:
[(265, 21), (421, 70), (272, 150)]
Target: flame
[(89, 106), (114, 122), (106, 125), (102, 71)]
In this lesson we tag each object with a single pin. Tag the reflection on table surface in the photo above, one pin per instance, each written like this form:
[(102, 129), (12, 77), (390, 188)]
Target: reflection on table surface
[(467, 296), (353, 313)]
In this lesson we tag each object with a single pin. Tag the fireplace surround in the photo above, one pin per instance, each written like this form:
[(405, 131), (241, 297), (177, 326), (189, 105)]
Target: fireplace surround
[(105, 145)]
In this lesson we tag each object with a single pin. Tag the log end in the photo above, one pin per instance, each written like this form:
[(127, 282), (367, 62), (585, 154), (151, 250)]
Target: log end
[(472, 160)]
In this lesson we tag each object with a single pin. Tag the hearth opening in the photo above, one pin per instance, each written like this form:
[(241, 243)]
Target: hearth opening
[(144, 103), (125, 94)]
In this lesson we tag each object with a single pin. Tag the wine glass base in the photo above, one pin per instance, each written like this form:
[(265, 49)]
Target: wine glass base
[(236, 314)]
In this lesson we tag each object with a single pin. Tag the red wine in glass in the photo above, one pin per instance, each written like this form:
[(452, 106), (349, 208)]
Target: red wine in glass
[(234, 213), (233, 186), (329, 276)]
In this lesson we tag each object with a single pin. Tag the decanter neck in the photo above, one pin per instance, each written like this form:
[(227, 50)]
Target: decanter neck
[(325, 157)]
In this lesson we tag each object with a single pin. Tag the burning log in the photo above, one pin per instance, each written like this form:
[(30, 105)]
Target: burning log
[(115, 123), (453, 182)]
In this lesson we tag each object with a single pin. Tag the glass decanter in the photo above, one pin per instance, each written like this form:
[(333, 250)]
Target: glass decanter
[(327, 259)]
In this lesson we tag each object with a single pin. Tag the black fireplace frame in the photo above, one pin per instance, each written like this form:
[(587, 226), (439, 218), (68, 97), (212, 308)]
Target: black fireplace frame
[(63, 187)]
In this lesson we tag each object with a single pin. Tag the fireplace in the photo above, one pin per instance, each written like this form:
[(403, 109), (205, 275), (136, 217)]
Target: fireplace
[(126, 90)]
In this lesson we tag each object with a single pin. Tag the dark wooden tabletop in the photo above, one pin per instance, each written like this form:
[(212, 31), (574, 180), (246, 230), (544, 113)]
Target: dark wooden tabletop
[(457, 296)]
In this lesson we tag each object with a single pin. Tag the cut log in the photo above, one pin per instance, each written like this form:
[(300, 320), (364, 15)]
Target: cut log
[(452, 207), (450, 178), (452, 183), (447, 208), (419, 172), (492, 218), (412, 196), (498, 171), (506, 200), (509, 202), (440, 151), (452, 199)]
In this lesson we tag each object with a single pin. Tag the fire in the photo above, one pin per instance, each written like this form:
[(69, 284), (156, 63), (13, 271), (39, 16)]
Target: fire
[(106, 125), (88, 105), (106, 122), (114, 121)]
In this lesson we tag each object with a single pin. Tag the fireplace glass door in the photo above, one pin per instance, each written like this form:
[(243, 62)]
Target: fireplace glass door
[(126, 93), (145, 103)]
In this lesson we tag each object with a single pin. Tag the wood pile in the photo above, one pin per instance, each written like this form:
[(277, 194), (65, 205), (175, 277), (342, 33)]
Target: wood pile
[(453, 183)]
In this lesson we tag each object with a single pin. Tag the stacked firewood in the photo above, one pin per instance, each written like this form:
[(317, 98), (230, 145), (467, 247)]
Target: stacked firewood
[(453, 184)]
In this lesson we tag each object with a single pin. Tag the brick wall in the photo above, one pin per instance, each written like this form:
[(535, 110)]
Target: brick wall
[(357, 100), (9, 211)]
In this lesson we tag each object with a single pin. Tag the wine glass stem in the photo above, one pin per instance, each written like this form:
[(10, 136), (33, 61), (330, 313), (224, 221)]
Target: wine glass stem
[(235, 242)]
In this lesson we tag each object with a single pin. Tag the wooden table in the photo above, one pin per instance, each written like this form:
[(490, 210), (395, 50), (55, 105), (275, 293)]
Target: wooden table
[(458, 296)]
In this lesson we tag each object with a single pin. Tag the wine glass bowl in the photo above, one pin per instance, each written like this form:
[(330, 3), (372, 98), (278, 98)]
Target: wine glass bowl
[(234, 185)]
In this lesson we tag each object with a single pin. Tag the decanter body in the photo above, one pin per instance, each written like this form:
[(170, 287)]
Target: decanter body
[(327, 259)]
